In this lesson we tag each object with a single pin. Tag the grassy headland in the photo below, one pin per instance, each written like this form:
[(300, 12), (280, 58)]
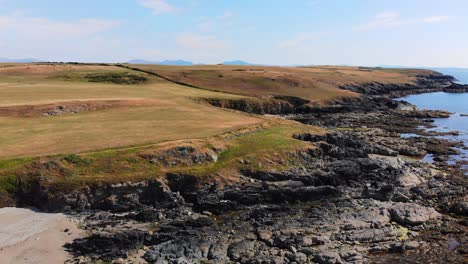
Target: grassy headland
[(73, 124)]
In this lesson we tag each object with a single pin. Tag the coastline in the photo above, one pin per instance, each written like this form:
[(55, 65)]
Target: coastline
[(452, 126), (358, 196)]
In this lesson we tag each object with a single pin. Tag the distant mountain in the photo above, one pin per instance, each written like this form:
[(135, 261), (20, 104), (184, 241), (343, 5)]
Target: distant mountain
[(165, 62), (25, 60), (237, 62)]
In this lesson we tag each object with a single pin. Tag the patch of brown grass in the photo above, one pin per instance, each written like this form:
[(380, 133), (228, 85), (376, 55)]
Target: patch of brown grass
[(76, 107), (107, 115), (50, 69), (316, 84)]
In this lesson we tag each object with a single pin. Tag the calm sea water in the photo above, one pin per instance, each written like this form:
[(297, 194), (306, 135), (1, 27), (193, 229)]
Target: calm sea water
[(456, 103)]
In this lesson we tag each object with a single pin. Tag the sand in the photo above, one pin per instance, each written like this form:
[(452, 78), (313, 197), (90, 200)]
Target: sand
[(29, 236)]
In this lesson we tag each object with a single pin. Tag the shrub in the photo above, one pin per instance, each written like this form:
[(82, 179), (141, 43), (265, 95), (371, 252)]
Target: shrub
[(75, 159)]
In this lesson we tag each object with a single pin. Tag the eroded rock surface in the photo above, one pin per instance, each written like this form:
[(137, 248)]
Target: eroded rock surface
[(345, 205)]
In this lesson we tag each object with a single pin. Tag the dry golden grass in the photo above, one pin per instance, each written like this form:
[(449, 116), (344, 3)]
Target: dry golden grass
[(172, 114), (47, 70), (157, 111), (316, 84)]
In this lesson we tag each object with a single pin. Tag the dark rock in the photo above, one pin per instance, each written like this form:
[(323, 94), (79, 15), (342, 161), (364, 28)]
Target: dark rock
[(108, 246), (328, 258)]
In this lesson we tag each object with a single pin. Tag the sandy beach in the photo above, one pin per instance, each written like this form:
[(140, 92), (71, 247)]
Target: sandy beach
[(29, 236)]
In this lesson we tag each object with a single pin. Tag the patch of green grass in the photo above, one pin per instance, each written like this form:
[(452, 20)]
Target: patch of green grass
[(275, 138), (8, 184), (116, 78), (75, 159), (253, 148), (13, 163), (127, 164)]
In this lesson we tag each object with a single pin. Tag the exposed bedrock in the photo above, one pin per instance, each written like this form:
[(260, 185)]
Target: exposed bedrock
[(350, 201), (424, 84), (375, 96)]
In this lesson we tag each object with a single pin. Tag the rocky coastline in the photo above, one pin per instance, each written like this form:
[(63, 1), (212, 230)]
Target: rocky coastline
[(360, 195)]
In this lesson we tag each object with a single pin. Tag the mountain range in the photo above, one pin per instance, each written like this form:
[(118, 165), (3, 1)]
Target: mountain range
[(183, 62), (21, 60)]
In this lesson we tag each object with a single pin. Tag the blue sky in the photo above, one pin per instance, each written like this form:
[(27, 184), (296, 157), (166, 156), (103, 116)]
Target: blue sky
[(354, 32)]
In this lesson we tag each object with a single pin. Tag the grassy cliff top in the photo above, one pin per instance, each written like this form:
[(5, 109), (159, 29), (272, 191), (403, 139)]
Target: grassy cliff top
[(73, 124), (53, 109), (48, 109), (318, 84)]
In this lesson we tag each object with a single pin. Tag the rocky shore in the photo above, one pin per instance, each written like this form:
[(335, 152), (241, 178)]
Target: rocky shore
[(361, 194)]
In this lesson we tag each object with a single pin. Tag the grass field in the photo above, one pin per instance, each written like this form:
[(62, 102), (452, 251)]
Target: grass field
[(316, 84), (153, 112), (48, 109)]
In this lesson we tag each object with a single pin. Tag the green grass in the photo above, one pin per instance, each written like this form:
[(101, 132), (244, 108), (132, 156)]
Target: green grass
[(8, 184), (116, 78), (256, 149), (14, 163)]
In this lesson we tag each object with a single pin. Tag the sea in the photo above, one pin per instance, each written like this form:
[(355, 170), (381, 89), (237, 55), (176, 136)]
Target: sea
[(452, 102)]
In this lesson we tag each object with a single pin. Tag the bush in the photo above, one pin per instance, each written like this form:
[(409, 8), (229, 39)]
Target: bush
[(75, 159)]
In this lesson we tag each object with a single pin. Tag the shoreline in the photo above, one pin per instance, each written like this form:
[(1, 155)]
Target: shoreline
[(354, 197), (446, 129)]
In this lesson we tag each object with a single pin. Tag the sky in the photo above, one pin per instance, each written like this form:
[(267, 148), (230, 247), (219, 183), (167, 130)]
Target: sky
[(295, 32)]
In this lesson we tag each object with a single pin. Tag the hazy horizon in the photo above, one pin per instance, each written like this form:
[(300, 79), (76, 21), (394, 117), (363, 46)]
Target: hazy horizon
[(301, 32)]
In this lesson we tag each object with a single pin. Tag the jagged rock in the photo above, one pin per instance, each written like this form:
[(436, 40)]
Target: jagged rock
[(328, 258), (108, 246), (241, 249), (460, 208)]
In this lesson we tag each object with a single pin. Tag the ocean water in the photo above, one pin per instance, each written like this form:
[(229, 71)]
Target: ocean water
[(459, 73), (456, 103)]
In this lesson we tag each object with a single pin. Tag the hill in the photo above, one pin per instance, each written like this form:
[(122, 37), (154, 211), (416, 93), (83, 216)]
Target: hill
[(237, 62), (318, 85), (165, 62), (52, 109)]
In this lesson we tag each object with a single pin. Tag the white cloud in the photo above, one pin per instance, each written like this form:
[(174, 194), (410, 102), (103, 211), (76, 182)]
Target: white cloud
[(394, 19), (37, 27), (195, 41), (435, 19), (158, 6), (208, 24), (43, 38), (300, 39)]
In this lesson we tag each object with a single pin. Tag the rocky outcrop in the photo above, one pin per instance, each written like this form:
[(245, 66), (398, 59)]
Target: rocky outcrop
[(182, 156), (121, 197), (423, 84), (255, 106), (345, 203)]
